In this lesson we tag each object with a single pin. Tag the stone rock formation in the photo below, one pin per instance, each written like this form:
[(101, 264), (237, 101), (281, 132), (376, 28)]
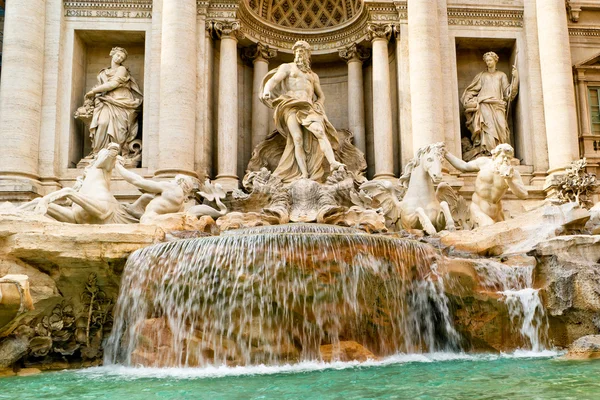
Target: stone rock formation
[(584, 348)]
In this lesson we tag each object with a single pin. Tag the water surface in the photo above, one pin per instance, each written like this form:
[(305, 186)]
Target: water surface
[(448, 376)]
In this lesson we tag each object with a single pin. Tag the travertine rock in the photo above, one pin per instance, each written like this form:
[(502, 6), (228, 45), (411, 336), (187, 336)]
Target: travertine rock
[(345, 351), (584, 348), (11, 349), (521, 234), (568, 274)]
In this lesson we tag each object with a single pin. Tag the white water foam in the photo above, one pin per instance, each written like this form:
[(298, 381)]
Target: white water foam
[(524, 304), (302, 367)]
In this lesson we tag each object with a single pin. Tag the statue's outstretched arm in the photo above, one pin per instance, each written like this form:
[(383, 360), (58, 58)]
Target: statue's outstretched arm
[(139, 182), (461, 165), (515, 183)]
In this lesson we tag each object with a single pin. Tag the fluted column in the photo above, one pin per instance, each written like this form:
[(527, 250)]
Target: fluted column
[(177, 125), (354, 56), (260, 56), (584, 108), (227, 124), (426, 89), (21, 90), (380, 34), (557, 84)]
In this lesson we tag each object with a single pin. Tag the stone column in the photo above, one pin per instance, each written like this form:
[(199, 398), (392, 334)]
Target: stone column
[(177, 125), (584, 108), (354, 56), (557, 84), (380, 34), (426, 89), (21, 93), (227, 124), (259, 55), (532, 90)]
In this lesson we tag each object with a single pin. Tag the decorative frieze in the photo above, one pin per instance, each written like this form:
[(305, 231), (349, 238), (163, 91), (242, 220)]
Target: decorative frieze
[(260, 30), (109, 9), (481, 17), (584, 32)]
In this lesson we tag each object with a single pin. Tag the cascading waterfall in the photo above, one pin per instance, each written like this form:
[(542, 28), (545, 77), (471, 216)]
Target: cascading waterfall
[(276, 294), (524, 304)]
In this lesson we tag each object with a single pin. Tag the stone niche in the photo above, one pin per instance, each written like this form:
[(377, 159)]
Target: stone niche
[(469, 59), (91, 51)]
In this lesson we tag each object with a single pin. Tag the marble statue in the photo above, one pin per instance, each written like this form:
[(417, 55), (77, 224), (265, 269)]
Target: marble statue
[(495, 175), (295, 93), (160, 197), (421, 206), (214, 193), (91, 199), (112, 108), (487, 101)]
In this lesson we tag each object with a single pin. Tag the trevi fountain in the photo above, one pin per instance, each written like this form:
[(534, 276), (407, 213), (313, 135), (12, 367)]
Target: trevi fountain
[(284, 199)]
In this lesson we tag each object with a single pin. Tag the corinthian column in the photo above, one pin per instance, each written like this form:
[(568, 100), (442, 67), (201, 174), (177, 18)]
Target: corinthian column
[(227, 124), (177, 124), (426, 89), (21, 90), (557, 84), (380, 34), (260, 56), (354, 56)]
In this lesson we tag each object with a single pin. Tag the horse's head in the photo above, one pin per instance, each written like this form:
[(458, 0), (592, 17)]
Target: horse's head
[(431, 158), (106, 158)]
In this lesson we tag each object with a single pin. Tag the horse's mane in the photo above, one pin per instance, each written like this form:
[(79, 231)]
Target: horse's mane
[(436, 148)]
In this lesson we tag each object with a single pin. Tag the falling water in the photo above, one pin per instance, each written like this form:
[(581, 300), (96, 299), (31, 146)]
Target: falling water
[(524, 304), (274, 295)]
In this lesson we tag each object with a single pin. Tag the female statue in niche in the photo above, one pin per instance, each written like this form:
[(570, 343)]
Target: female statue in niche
[(113, 106), (486, 101)]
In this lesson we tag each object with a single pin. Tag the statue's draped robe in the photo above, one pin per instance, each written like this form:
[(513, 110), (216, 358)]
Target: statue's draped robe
[(487, 121), (115, 112), (310, 117)]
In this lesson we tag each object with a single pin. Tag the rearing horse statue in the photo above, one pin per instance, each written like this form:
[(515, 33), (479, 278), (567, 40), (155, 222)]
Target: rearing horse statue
[(91, 199), (421, 207)]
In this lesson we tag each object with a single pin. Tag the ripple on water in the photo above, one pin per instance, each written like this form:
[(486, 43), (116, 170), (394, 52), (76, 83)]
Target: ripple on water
[(439, 375)]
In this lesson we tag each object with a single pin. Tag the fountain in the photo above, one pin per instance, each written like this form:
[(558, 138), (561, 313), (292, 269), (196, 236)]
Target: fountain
[(276, 295)]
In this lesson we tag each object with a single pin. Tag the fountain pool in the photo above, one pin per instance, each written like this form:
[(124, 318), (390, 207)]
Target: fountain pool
[(432, 376)]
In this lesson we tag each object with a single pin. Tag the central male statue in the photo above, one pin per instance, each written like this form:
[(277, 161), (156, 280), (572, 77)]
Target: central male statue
[(494, 176), (295, 93)]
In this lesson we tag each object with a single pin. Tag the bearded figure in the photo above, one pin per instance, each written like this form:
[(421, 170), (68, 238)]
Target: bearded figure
[(495, 175), (294, 92)]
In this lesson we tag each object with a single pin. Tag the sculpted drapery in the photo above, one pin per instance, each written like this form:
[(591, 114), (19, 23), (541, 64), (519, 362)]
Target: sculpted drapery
[(486, 100), (115, 111), (309, 115)]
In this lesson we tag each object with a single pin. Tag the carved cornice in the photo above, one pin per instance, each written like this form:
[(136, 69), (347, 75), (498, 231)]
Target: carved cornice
[(386, 11), (354, 52), (218, 9), (379, 31), (321, 40), (485, 17), (109, 9), (258, 52), (225, 29), (584, 32)]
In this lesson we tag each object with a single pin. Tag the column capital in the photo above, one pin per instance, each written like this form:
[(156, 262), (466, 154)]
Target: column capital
[(225, 29), (353, 53), (377, 31), (258, 52)]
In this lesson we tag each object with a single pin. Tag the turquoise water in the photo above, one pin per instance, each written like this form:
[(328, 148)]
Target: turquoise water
[(400, 377)]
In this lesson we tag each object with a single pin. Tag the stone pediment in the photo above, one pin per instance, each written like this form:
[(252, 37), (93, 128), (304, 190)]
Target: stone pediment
[(592, 62)]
